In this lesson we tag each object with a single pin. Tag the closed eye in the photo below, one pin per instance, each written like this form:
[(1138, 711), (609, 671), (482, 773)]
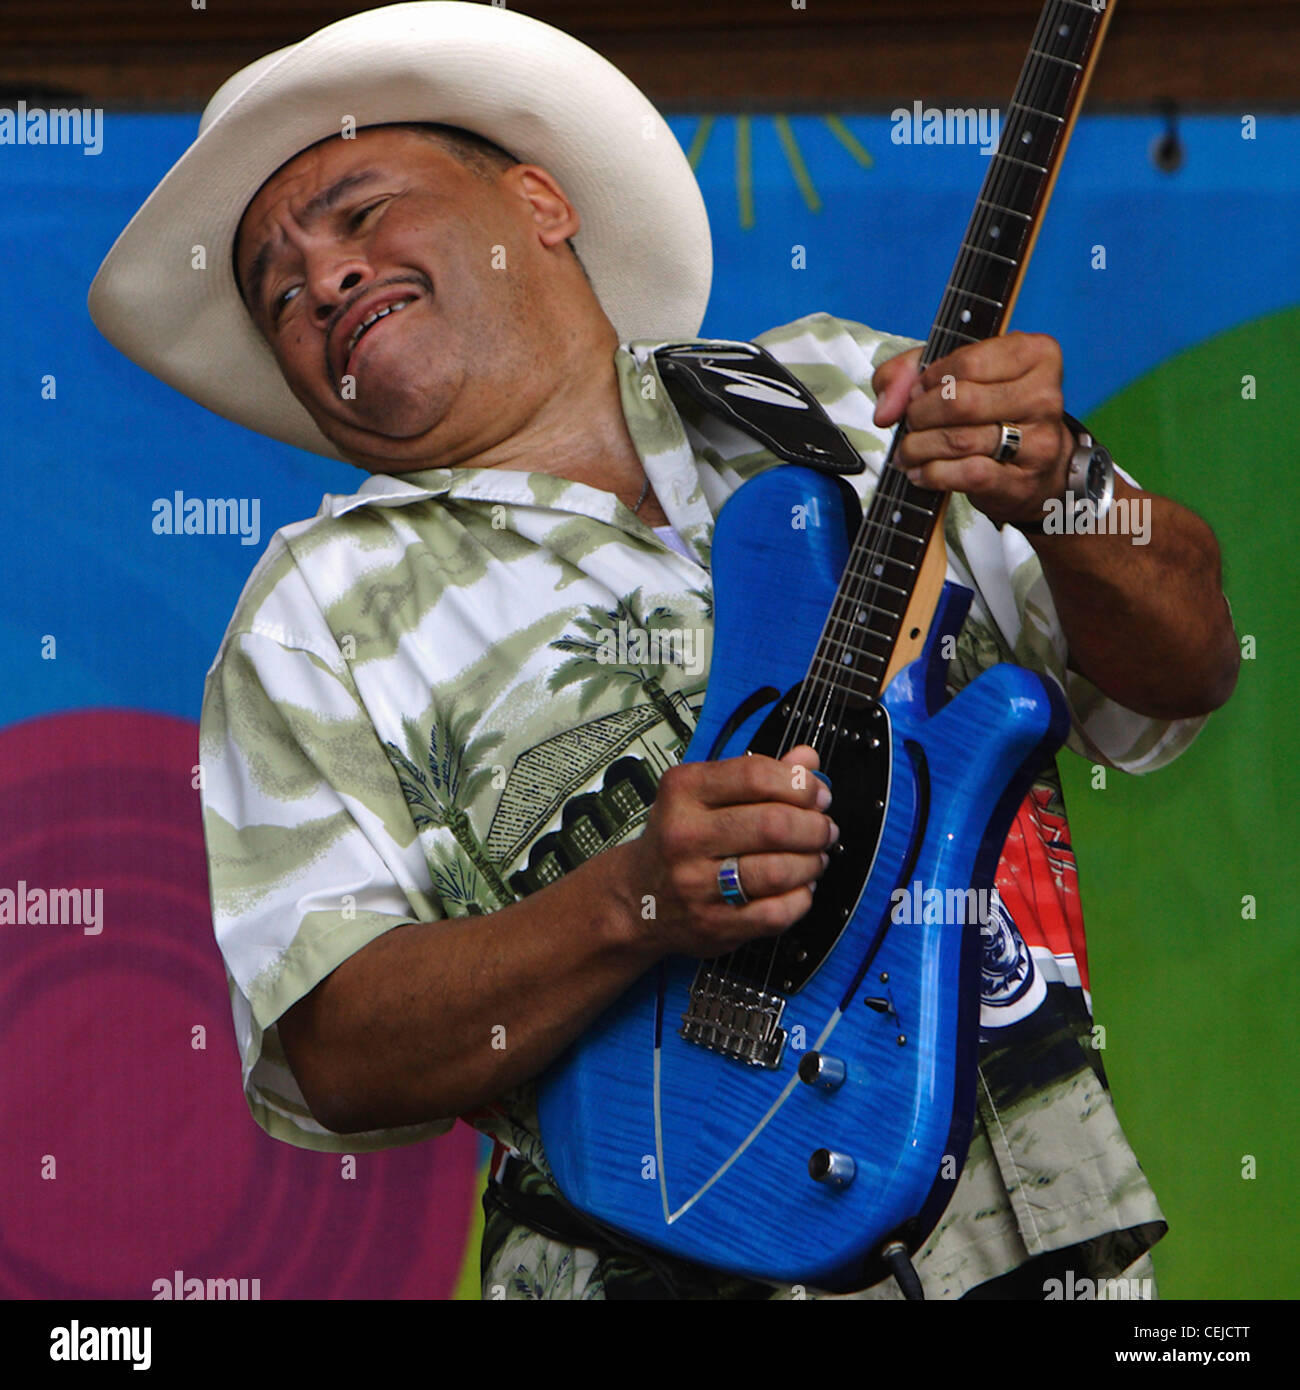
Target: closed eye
[(360, 215)]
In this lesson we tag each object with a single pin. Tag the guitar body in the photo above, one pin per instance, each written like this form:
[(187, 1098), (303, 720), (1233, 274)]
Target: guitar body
[(701, 1147)]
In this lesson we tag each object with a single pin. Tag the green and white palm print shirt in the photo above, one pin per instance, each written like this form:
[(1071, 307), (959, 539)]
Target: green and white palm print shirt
[(421, 710)]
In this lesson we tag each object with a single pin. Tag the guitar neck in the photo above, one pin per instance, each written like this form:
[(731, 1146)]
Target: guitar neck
[(896, 564)]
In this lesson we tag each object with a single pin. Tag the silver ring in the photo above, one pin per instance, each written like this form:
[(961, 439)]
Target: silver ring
[(1008, 444), (729, 882)]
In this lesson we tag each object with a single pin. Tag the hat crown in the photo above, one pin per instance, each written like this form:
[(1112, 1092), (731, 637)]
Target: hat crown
[(531, 88)]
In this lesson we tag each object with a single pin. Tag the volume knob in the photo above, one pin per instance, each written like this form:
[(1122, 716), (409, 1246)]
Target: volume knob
[(834, 1169), (817, 1069)]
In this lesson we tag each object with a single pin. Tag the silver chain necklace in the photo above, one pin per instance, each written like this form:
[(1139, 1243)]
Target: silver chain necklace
[(645, 492)]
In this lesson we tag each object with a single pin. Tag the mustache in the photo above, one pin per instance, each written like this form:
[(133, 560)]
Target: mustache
[(417, 278)]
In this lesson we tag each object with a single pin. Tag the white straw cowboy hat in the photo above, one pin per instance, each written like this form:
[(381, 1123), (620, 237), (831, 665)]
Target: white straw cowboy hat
[(536, 92)]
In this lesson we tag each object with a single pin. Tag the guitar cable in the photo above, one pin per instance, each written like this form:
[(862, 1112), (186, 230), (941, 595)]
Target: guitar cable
[(895, 1256)]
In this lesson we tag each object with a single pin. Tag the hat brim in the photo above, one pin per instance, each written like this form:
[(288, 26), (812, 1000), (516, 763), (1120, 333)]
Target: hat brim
[(530, 88)]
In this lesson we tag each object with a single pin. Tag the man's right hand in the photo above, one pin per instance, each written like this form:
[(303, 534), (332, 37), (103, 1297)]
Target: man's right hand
[(768, 813)]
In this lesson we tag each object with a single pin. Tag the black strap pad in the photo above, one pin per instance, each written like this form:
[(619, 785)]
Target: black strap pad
[(745, 385)]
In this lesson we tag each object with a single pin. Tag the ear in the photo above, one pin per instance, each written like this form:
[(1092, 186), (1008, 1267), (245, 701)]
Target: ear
[(554, 217)]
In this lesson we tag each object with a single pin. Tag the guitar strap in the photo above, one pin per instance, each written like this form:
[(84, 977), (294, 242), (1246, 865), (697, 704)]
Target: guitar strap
[(745, 385)]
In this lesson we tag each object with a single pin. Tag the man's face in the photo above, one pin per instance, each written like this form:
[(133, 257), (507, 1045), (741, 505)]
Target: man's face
[(466, 267)]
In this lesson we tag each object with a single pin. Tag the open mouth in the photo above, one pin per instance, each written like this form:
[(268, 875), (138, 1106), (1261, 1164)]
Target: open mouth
[(367, 323)]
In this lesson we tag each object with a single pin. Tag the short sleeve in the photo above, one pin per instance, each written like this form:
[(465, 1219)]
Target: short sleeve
[(311, 850)]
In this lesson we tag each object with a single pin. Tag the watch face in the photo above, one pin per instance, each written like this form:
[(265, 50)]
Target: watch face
[(1095, 483)]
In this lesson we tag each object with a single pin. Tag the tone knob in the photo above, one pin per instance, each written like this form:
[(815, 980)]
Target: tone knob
[(834, 1169), (817, 1069)]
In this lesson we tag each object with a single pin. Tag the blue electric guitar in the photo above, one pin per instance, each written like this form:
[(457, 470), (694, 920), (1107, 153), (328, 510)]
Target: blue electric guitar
[(799, 1111)]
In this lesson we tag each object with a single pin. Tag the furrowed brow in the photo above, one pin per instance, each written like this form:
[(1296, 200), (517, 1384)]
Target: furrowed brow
[(316, 208)]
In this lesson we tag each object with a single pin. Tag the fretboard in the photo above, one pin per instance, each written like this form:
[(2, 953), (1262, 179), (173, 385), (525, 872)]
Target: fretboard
[(865, 621)]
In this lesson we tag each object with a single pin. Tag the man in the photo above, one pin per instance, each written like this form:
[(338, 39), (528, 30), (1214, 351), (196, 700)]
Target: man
[(433, 813)]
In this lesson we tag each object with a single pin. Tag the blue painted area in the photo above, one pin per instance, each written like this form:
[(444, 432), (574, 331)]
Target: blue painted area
[(1187, 255), (137, 617)]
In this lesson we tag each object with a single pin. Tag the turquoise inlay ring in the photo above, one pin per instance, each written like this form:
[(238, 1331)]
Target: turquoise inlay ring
[(729, 882)]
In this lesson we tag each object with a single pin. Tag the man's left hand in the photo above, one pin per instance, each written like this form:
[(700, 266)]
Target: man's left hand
[(955, 410)]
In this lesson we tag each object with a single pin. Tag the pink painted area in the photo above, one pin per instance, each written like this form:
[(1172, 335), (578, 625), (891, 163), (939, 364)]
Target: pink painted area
[(158, 1165)]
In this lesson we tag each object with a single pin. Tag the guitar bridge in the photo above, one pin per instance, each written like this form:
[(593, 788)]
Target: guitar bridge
[(735, 1019)]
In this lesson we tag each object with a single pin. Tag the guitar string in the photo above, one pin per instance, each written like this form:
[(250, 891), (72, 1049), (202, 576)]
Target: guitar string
[(893, 485), (1003, 181), (998, 189)]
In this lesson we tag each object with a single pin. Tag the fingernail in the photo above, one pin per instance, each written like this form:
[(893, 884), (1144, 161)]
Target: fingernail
[(917, 390), (835, 835), (826, 859), (823, 797)]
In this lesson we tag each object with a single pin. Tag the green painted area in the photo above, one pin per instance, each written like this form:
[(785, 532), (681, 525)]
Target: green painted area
[(1202, 1038)]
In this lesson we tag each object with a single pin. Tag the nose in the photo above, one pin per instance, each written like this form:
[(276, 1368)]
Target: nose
[(330, 283)]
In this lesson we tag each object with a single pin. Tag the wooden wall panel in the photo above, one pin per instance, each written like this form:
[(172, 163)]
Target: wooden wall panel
[(695, 54)]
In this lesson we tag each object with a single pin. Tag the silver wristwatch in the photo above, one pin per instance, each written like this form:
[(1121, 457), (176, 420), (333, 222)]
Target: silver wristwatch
[(1089, 486)]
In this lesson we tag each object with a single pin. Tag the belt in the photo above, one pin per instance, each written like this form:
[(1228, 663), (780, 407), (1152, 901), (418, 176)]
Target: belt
[(637, 1272)]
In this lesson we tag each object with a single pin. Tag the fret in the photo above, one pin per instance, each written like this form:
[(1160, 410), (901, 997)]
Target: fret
[(1012, 185), (843, 665), (985, 202), (970, 294), (1038, 168), (971, 309), (980, 251), (880, 500), (861, 633), (1052, 88), (1038, 111), (857, 624), (885, 526), (1038, 53), (880, 583)]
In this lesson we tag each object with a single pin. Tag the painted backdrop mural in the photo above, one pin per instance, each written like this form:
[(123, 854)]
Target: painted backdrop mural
[(129, 1165)]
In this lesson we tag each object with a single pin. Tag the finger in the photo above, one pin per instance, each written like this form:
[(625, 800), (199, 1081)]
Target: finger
[(1028, 399), (752, 778), (763, 828), (1040, 446), (996, 359), (806, 758), (982, 480), (770, 875), (892, 384)]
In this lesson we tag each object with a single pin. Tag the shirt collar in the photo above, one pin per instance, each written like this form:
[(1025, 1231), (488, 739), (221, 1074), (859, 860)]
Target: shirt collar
[(657, 435)]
